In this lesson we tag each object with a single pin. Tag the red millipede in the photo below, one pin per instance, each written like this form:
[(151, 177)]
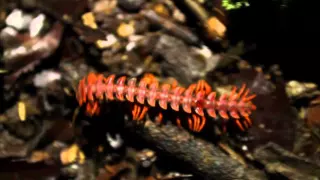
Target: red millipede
[(198, 101)]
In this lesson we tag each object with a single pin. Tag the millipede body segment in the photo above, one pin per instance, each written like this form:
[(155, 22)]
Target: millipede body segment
[(198, 99)]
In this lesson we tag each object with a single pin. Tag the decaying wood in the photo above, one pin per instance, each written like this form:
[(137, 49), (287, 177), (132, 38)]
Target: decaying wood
[(202, 158)]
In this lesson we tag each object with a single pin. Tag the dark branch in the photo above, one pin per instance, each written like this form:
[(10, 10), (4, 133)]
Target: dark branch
[(203, 158)]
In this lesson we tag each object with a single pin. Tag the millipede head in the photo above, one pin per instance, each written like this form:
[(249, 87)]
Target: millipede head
[(150, 78)]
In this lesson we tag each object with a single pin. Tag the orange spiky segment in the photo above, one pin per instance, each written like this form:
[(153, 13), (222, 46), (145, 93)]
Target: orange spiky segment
[(142, 90), (153, 88), (200, 103), (131, 90), (110, 86), (212, 111), (146, 83), (164, 96), (176, 97), (120, 89), (187, 98)]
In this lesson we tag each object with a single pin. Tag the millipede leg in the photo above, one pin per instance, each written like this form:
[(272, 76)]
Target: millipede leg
[(240, 125), (196, 123), (159, 118), (203, 122), (246, 124), (224, 128), (178, 121), (143, 113), (248, 120), (135, 112), (92, 109), (139, 112), (196, 120), (190, 124), (202, 85)]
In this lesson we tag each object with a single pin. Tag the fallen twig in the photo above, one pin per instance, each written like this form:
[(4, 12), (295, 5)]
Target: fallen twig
[(201, 157)]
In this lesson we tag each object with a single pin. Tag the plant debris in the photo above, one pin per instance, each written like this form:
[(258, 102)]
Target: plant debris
[(48, 46)]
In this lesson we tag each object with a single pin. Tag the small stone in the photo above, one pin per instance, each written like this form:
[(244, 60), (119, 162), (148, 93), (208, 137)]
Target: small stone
[(126, 30), (131, 5)]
